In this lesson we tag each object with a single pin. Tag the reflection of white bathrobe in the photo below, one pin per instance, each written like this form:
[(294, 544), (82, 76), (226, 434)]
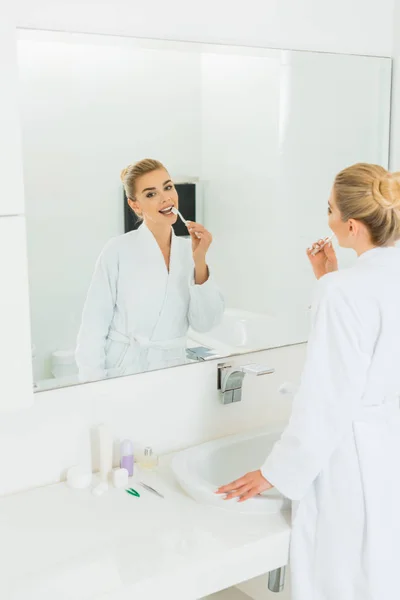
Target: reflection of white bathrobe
[(136, 316), (339, 457)]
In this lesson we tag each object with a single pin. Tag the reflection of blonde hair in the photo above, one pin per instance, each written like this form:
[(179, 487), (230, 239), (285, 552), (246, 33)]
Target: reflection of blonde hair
[(370, 194), (130, 175)]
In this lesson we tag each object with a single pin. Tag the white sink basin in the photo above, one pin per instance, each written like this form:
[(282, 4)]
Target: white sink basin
[(202, 469), (238, 329), (243, 331)]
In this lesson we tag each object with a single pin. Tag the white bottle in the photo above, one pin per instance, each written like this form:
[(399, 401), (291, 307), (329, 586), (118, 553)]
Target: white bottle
[(106, 456), (120, 478)]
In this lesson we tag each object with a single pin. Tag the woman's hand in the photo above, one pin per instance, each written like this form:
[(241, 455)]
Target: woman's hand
[(201, 241), (325, 261), (246, 487)]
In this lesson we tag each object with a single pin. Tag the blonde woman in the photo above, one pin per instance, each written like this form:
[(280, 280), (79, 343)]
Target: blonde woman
[(148, 287), (339, 457)]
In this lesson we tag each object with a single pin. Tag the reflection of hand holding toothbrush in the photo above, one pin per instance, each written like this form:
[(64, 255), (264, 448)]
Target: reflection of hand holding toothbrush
[(201, 241), (322, 257), (187, 223), (199, 234)]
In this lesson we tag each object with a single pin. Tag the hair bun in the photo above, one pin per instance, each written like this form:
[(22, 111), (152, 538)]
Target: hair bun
[(124, 173), (386, 191)]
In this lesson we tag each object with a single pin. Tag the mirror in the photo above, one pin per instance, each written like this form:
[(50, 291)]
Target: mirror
[(249, 140)]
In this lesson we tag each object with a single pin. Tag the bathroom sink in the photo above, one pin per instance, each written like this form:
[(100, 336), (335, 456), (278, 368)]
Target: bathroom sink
[(243, 331), (238, 329), (202, 469)]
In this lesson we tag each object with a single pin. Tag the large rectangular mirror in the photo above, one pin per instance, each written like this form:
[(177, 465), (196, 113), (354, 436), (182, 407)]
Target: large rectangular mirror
[(249, 141)]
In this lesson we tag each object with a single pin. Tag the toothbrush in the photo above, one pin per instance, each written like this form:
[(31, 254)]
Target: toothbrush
[(316, 250), (176, 212)]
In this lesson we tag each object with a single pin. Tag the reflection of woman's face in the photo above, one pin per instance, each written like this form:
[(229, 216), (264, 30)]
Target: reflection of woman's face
[(155, 197)]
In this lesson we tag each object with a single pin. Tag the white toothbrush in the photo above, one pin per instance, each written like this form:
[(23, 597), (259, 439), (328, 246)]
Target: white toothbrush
[(316, 250), (176, 212)]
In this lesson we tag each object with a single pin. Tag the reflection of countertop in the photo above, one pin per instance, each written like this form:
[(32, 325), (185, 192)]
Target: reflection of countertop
[(56, 382), (70, 545)]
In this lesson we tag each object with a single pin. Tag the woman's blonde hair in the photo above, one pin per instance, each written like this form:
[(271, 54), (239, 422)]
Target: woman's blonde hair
[(131, 173), (370, 194)]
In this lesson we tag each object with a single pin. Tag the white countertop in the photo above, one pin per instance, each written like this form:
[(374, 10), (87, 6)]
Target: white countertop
[(58, 543)]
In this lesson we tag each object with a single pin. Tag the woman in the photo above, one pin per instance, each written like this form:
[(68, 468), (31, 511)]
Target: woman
[(339, 457), (148, 287)]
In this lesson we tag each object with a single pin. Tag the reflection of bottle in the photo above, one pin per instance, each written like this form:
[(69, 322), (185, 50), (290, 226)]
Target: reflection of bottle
[(149, 460), (127, 456)]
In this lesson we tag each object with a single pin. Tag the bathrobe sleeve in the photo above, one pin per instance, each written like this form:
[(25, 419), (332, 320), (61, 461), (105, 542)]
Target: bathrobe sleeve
[(97, 315), (206, 306), (340, 349)]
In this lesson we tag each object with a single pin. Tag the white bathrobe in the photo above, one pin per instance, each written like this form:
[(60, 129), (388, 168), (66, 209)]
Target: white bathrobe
[(136, 315), (339, 458)]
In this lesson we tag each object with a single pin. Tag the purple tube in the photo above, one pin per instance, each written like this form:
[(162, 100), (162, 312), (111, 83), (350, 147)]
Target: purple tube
[(127, 456)]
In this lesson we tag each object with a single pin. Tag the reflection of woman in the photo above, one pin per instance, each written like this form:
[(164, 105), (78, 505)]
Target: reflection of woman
[(339, 457), (148, 287)]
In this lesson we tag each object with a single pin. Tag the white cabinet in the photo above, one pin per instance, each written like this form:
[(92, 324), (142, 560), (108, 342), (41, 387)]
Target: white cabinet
[(15, 346), (11, 181)]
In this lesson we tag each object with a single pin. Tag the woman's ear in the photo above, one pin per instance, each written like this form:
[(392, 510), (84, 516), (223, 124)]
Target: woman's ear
[(352, 227), (133, 204)]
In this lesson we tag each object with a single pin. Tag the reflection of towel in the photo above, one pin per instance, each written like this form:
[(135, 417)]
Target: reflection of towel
[(200, 353), (116, 336)]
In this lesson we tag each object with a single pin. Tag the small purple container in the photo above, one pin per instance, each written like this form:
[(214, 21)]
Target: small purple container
[(127, 456)]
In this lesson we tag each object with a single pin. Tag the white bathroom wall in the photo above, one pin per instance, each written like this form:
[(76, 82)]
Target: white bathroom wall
[(11, 182), (15, 363), (395, 133), (88, 109), (352, 26), (168, 410), (15, 352)]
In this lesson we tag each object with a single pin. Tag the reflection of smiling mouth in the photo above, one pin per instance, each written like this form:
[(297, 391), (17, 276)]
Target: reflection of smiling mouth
[(167, 210)]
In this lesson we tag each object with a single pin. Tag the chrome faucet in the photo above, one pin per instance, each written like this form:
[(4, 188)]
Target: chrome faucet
[(276, 580), (230, 379)]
